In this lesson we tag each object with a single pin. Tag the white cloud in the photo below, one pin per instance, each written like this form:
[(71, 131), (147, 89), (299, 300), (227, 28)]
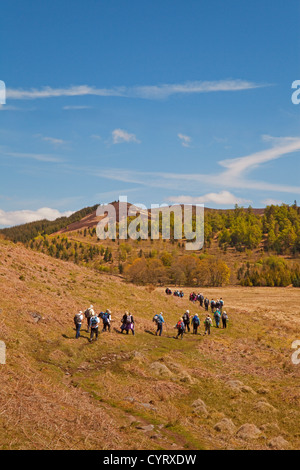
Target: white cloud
[(145, 92), (185, 140), (223, 198), (120, 136), (9, 219)]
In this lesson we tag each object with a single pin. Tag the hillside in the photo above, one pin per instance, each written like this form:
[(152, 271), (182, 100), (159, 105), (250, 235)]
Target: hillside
[(249, 247), (128, 392)]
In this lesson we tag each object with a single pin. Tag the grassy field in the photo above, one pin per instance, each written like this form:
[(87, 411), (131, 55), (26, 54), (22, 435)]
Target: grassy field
[(236, 389)]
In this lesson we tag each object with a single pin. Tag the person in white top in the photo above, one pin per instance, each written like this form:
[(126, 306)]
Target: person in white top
[(78, 319), (89, 313)]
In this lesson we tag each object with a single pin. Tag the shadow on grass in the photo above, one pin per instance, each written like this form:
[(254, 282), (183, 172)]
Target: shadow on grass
[(150, 332), (117, 331), (73, 337)]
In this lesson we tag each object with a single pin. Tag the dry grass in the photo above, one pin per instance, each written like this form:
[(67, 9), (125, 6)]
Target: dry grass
[(59, 393)]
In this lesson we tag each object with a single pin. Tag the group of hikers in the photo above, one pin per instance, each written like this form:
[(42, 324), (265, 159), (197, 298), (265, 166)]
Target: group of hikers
[(93, 322), (184, 324), (176, 293), (186, 321), (205, 302)]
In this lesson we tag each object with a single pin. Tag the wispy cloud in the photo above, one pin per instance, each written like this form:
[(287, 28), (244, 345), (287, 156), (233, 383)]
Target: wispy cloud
[(96, 137), (224, 198), (271, 202), (75, 108), (33, 156), (54, 141), (185, 140), (120, 136), (8, 219), (234, 175), (145, 92)]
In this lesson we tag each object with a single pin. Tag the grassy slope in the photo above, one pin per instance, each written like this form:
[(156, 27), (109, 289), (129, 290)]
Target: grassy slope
[(64, 394)]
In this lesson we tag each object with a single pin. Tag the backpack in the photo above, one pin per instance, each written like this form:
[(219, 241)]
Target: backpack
[(156, 319), (87, 313), (77, 319), (128, 319), (94, 322), (207, 322), (186, 317), (105, 318), (180, 325), (196, 321)]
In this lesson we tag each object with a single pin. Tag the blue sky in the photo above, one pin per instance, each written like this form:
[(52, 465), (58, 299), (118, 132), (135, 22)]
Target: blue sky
[(163, 101)]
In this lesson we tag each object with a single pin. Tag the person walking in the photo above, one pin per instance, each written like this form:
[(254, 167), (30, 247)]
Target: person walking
[(78, 319), (217, 317), (207, 324), (106, 318), (129, 324), (180, 328), (186, 321), (89, 313), (94, 324), (224, 320), (206, 304), (159, 320), (195, 323)]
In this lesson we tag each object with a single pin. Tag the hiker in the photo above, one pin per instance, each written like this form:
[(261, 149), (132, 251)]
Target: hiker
[(207, 324), (224, 319), (127, 323), (195, 323), (201, 299), (206, 304), (181, 294), (106, 318), (221, 304), (123, 321), (186, 321), (217, 316), (180, 328), (78, 322), (89, 313), (168, 291), (94, 325), (212, 305), (217, 304), (159, 320)]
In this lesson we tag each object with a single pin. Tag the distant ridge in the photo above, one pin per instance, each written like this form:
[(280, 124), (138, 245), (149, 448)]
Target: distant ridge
[(84, 218)]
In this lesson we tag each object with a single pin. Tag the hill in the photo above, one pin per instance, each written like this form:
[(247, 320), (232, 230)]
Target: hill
[(250, 247), (141, 392)]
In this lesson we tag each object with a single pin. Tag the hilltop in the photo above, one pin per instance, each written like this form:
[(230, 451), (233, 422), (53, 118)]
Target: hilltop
[(141, 392)]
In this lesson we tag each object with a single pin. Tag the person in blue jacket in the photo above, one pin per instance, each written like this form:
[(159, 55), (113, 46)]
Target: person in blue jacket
[(159, 320)]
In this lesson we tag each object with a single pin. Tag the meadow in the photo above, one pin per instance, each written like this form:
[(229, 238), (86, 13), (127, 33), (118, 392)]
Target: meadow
[(237, 389)]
